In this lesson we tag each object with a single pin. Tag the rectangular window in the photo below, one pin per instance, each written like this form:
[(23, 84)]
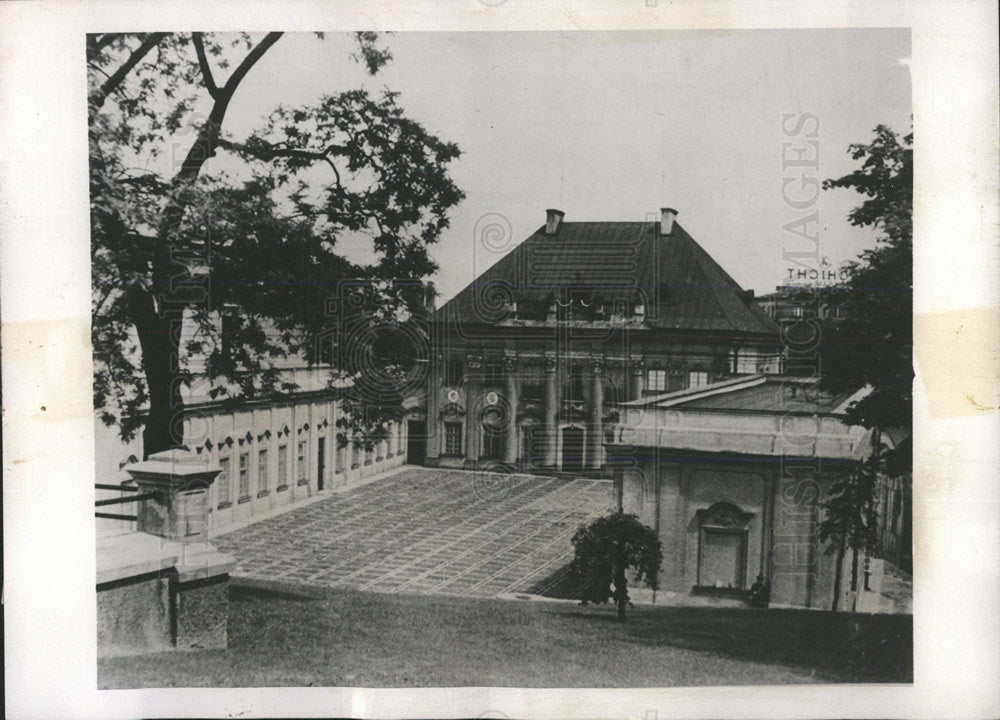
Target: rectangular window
[(369, 451), (656, 380), (301, 463), (453, 438), (261, 472), (697, 379), (390, 441), (222, 483), (532, 392), (493, 373), (339, 455), (244, 475), (453, 372), (282, 466), (355, 453)]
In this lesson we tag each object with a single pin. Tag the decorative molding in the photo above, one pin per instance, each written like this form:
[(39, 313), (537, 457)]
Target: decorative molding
[(452, 409), (724, 515)]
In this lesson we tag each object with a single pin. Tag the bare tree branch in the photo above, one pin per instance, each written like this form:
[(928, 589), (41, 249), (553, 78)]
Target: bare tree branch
[(97, 42), (97, 98), (250, 60), (206, 70), (198, 154)]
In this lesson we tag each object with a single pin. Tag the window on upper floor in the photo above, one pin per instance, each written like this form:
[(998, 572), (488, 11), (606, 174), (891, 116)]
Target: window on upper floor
[(697, 378), (532, 392), (574, 384), (656, 380), (493, 373), (453, 373)]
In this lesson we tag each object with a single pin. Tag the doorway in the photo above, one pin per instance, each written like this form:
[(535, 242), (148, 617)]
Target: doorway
[(572, 449), (320, 462), (416, 442)]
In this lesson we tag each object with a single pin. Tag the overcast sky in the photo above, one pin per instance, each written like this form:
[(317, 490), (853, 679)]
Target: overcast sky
[(612, 126)]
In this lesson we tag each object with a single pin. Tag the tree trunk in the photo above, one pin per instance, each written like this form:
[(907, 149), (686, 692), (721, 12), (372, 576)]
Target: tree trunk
[(621, 588), (159, 338), (837, 574)]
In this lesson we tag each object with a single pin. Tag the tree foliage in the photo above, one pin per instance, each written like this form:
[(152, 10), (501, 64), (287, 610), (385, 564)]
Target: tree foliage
[(873, 342), (606, 549), (221, 257)]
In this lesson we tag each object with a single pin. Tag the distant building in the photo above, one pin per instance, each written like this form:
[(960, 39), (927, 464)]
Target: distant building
[(530, 362), (791, 302)]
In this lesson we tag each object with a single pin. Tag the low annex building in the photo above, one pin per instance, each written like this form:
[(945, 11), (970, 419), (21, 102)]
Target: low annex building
[(732, 476), (273, 453), (531, 361)]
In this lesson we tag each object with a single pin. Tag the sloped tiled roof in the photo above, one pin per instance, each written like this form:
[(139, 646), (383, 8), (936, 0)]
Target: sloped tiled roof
[(683, 287)]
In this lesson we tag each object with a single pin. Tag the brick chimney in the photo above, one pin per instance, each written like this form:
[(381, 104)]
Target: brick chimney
[(552, 220), (667, 217)]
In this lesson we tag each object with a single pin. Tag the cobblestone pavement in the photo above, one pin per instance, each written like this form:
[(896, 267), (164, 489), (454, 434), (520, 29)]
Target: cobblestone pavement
[(425, 531)]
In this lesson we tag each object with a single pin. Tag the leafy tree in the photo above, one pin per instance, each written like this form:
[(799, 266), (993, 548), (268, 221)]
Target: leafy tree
[(606, 549), (873, 342), (217, 256)]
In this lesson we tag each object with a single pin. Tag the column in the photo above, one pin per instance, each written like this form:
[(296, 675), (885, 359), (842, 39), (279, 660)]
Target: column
[(473, 410), (510, 371), (637, 368), (551, 410), (595, 458), (434, 426)]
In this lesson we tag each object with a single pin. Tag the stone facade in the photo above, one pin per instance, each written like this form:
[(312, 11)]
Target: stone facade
[(732, 478), (272, 456)]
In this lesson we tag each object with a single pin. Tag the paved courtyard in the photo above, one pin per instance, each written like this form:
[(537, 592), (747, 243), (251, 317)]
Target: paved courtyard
[(425, 531)]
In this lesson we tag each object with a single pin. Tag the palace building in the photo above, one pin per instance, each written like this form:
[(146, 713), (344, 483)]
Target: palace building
[(531, 361)]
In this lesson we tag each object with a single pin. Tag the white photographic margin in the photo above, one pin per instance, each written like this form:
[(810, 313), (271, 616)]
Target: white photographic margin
[(49, 600)]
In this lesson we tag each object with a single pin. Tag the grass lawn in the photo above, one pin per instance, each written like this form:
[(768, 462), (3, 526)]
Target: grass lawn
[(284, 634)]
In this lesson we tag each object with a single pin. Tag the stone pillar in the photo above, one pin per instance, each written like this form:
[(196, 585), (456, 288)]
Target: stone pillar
[(174, 485), (595, 458), (551, 410), (637, 368), (434, 426), (474, 409), (511, 450)]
